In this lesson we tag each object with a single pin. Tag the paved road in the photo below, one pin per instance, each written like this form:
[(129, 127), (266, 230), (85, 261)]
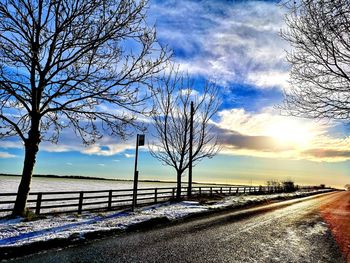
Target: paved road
[(293, 233), (337, 217)]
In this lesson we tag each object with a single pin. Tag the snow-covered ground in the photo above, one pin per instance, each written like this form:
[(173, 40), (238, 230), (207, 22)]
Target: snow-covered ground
[(17, 232), (9, 184)]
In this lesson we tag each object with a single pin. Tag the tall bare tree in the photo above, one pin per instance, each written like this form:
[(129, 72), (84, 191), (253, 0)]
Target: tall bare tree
[(172, 122), (71, 63), (318, 32)]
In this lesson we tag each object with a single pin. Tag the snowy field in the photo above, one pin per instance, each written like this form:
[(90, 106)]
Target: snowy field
[(16, 232), (9, 184)]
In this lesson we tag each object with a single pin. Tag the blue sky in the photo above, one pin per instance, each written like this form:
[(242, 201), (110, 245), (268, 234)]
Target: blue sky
[(237, 45)]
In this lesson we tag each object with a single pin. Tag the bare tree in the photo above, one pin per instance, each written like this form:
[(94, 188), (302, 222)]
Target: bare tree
[(172, 122), (69, 63), (318, 32)]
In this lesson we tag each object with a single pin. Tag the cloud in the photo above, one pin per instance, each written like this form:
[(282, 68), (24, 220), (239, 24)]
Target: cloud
[(69, 164), (270, 135), (266, 79), (101, 164), (69, 142), (6, 155), (224, 40), (329, 149), (8, 144), (127, 155), (260, 143), (188, 91), (106, 150), (329, 154), (268, 122), (107, 146)]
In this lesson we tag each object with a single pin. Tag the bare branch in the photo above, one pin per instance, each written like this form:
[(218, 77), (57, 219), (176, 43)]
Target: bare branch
[(78, 57), (318, 32), (172, 120), (85, 65)]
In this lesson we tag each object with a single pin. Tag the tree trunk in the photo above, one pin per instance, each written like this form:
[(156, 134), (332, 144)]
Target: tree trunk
[(178, 190), (31, 149)]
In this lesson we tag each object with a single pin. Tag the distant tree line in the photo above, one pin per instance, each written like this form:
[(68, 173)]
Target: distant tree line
[(285, 186)]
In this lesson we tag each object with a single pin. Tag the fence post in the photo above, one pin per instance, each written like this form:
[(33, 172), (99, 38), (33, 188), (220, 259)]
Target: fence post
[(110, 200), (244, 190), (211, 191), (155, 195), (38, 203), (173, 193), (80, 205), (237, 190), (200, 191), (220, 190), (229, 190)]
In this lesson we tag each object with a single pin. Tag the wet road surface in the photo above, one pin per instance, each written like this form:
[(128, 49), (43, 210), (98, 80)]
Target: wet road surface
[(293, 233), (337, 216)]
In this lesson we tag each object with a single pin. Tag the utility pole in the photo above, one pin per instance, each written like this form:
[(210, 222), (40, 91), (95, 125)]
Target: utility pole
[(189, 187), (140, 141)]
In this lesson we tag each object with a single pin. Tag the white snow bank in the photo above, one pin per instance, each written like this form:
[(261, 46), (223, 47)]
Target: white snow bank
[(16, 232)]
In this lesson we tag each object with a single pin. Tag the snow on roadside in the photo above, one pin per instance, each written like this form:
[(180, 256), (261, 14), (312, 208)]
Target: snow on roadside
[(16, 232)]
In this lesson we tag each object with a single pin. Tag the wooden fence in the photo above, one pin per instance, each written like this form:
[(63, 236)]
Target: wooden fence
[(79, 201)]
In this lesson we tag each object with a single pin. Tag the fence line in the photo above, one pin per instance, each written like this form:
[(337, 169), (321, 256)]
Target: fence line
[(79, 201)]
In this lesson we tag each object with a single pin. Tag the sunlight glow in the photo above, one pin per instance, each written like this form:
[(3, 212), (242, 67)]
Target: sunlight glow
[(290, 132)]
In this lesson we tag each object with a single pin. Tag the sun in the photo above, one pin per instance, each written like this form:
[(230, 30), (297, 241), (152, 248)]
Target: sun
[(290, 132)]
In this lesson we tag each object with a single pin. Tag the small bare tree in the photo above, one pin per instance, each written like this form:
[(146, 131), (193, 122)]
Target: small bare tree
[(172, 123), (318, 32), (70, 63)]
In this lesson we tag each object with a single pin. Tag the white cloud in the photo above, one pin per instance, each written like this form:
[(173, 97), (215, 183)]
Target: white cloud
[(127, 155), (6, 155), (106, 150), (62, 146), (267, 79), (234, 42), (189, 91), (69, 142), (11, 144)]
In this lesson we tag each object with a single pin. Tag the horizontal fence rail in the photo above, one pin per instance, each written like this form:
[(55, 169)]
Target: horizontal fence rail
[(79, 201)]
